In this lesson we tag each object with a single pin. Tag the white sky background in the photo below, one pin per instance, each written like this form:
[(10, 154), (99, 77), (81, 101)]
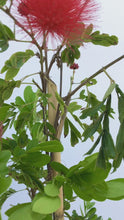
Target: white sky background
[(92, 58)]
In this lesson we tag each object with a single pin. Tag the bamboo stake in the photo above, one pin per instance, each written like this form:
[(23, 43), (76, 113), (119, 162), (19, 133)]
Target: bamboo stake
[(52, 111)]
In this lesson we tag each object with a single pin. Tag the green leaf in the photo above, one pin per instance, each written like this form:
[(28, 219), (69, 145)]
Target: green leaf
[(90, 82), (69, 54), (120, 139), (85, 163), (59, 180), (22, 119), (91, 129), (9, 33), (35, 159), (36, 130), (59, 167), (49, 146), (3, 38), (101, 161), (109, 90), (23, 211), (115, 189), (29, 95), (45, 205), (4, 157), (51, 190), (74, 138), (3, 2), (74, 129), (6, 195), (103, 39), (99, 191), (91, 111), (119, 147), (15, 62), (3, 112), (73, 106), (68, 193), (19, 102), (88, 205), (82, 96), (94, 145), (23, 139), (7, 93), (11, 73), (108, 145), (66, 205), (49, 217), (83, 191), (66, 127), (91, 212), (121, 108), (50, 128), (4, 184)]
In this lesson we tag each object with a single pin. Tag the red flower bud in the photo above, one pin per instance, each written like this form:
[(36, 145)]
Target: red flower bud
[(74, 66)]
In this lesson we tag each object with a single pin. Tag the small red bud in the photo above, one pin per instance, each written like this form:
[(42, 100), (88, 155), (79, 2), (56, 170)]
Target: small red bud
[(74, 66)]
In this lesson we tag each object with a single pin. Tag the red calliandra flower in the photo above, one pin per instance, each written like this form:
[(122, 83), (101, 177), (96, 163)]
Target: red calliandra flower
[(57, 18)]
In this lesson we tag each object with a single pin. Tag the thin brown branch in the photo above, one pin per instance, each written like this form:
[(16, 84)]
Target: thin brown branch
[(53, 60), (37, 85), (92, 76)]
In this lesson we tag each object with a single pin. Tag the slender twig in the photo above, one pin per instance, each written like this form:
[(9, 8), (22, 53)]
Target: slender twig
[(92, 76), (53, 59), (108, 75), (11, 2), (22, 41), (37, 85), (32, 74), (46, 60), (61, 79)]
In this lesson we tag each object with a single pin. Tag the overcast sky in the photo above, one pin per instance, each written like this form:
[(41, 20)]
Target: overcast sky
[(92, 59)]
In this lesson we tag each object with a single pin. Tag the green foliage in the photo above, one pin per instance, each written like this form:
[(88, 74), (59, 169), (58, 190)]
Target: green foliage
[(5, 34), (6, 195), (109, 90), (3, 2), (59, 167), (16, 61), (69, 54), (115, 189), (50, 146), (22, 211), (88, 179), (44, 204), (4, 157), (51, 190), (6, 88), (103, 39), (87, 213), (120, 136), (5, 183)]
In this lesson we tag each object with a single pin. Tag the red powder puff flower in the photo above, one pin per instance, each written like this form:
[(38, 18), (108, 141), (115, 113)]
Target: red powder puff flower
[(57, 18)]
